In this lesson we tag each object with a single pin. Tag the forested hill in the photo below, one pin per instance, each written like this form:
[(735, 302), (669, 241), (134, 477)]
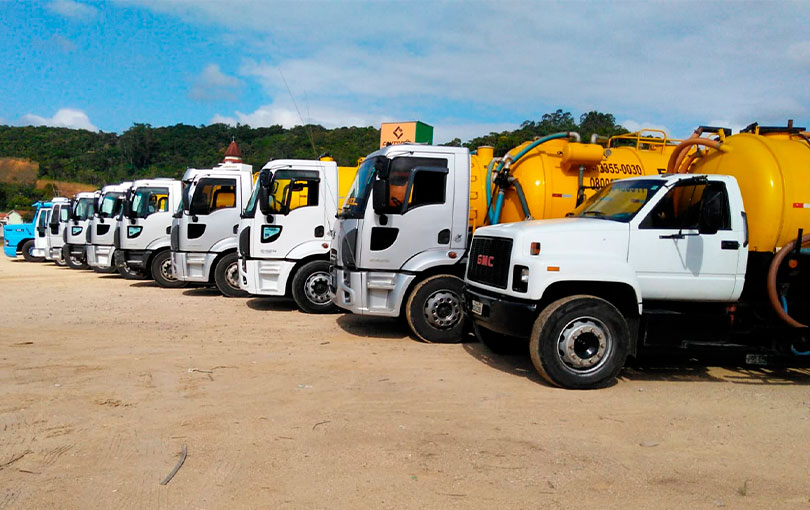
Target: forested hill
[(145, 151)]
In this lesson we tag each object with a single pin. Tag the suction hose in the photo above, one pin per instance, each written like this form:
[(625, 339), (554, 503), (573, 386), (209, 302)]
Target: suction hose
[(681, 151), (773, 295), (506, 163)]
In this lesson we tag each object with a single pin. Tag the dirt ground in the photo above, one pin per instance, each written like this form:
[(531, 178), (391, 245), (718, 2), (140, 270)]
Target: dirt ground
[(104, 381)]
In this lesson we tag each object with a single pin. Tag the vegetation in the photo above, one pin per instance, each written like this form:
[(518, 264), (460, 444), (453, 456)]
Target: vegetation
[(145, 151)]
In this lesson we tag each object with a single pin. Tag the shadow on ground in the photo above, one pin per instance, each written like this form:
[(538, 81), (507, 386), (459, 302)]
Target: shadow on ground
[(382, 327), (659, 369), (146, 283), (203, 292), (275, 304)]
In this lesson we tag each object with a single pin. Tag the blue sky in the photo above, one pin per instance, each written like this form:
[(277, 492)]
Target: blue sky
[(466, 68)]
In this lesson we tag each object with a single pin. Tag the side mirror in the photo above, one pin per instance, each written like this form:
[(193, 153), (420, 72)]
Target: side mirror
[(711, 217), (264, 201), (383, 167), (379, 196)]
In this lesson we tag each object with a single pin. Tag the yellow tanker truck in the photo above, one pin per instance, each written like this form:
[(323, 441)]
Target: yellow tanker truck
[(711, 255), (404, 254)]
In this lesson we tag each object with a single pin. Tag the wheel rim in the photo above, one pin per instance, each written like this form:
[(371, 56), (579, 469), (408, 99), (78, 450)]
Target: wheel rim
[(166, 270), (443, 309), (316, 288), (232, 275), (584, 345)]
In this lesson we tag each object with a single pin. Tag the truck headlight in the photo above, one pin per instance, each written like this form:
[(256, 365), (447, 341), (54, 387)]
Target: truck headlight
[(520, 279)]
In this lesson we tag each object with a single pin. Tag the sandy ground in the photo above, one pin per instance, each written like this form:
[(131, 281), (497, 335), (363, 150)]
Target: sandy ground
[(104, 381)]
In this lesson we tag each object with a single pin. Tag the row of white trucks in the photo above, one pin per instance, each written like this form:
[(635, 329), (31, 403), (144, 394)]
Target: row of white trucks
[(582, 254)]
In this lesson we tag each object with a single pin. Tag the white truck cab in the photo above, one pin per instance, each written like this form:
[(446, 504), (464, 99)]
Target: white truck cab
[(286, 231), (57, 224), (391, 257), (204, 229), (78, 232), (41, 221), (587, 291), (142, 242), (103, 225)]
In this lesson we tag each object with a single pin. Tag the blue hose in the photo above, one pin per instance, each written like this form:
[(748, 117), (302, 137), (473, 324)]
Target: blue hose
[(495, 216), (783, 300)]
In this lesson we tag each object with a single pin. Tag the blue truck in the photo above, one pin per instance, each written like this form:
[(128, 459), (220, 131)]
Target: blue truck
[(19, 239)]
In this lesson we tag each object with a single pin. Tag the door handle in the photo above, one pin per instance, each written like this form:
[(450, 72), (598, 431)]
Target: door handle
[(168, 230), (729, 245), (235, 229)]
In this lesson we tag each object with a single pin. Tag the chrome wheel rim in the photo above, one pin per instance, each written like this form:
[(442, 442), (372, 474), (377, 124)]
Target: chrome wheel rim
[(316, 288), (443, 309), (166, 270), (232, 275), (584, 345)]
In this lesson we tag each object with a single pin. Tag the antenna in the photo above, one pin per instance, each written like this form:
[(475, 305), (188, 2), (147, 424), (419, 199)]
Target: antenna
[(306, 130)]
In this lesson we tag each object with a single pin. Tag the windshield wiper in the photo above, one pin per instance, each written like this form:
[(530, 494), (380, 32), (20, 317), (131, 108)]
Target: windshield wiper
[(598, 214)]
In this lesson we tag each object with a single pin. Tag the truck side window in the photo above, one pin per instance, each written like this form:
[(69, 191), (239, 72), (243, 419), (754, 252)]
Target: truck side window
[(682, 205), (212, 195), (427, 185)]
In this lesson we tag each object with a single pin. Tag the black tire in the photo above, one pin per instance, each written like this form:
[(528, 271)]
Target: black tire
[(162, 271), (498, 343), (434, 310), (310, 288), (74, 262), (26, 249), (226, 276), (579, 342)]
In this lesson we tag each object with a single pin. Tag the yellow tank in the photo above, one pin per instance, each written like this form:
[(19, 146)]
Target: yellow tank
[(345, 178), (772, 170), (549, 173)]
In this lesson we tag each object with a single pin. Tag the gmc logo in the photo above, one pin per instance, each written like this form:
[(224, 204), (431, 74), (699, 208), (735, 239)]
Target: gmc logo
[(486, 260)]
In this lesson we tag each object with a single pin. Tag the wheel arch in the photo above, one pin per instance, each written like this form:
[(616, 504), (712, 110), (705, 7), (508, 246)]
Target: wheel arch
[(298, 265), (447, 269), (621, 295)]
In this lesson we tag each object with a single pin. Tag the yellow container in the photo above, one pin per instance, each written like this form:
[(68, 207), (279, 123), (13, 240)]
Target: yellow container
[(772, 171), (549, 173)]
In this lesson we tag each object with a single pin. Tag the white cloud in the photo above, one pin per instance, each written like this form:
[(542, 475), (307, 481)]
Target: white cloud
[(214, 85), (682, 63), (66, 117), (74, 10)]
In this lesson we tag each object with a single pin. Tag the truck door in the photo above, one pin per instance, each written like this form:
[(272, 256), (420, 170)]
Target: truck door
[(673, 259), (414, 212), (293, 201), (150, 216), (212, 214), (41, 222)]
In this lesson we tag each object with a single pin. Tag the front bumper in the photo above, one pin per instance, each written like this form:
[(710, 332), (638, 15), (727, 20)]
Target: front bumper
[(500, 314), (38, 252), (193, 266), (101, 255), (370, 292), (264, 277)]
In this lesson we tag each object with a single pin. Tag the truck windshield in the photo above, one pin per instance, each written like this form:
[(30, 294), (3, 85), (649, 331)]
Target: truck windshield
[(619, 200), (250, 208), (83, 208), (110, 205), (355, 205), (149, 200), (184, 200)]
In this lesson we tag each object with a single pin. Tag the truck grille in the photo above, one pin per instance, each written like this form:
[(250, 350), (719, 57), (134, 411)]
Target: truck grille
[(489, 261), (175, 237)]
